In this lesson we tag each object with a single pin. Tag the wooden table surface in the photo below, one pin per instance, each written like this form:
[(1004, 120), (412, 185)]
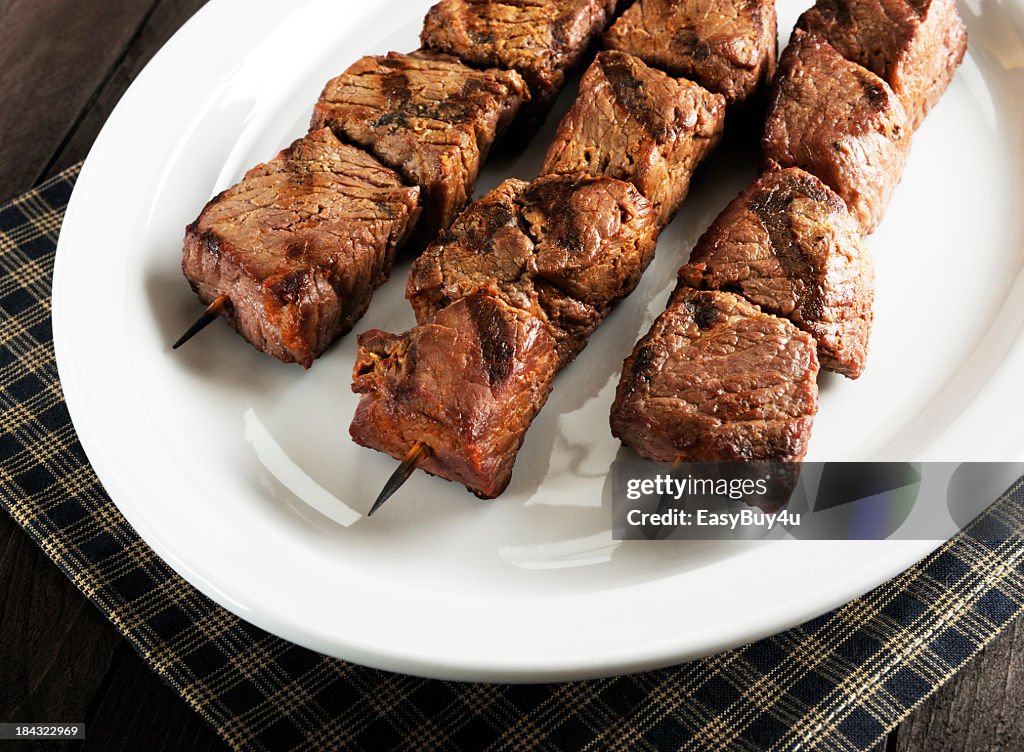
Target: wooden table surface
[(63, 66)]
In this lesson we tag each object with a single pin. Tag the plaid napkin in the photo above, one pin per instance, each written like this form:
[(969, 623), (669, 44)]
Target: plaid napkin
[(839, 682)]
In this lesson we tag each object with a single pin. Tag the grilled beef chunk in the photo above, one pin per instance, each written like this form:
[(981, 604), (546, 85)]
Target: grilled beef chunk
[(467, 382), (717, 380), (727, 46), (505, 298), (563, 248), (300, 244), (430, 117), (915, 45), (840, 122), (788, 245), (541, 39), (637, 124)]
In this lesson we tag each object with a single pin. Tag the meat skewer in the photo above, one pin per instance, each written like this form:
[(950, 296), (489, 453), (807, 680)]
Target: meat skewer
[(915, 46), (299, 245), (726, 46), (552, 257), (540, 39), (840, 122), (510, 294), (788, 245), (719, 379), (635, 123), (306, 246), (428, 116)]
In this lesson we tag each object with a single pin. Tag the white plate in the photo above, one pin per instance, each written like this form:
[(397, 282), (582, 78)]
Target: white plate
[(239, 472)]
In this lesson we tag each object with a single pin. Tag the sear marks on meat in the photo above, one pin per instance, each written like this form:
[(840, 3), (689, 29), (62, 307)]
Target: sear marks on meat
[(717, 380), (430, 117), (467, 382), (300, 244), (507, 296), (634, 123), (541, 39), (727, 46), (562, 248), (915, 46), (788, 245), (840, 122)]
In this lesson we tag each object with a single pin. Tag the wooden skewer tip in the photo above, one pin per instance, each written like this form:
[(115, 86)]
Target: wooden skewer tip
[(219, 304), (417, 454)]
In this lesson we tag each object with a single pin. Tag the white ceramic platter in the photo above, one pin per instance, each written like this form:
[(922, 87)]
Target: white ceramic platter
[(239, 472)]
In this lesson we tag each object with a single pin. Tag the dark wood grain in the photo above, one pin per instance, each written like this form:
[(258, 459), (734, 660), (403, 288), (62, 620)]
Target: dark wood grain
[(138, 712), (63, 661), (166, 18), (55, 647), (54, 57), (980, 709)]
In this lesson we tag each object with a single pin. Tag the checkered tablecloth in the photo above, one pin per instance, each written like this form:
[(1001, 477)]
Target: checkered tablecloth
[(838, 682)]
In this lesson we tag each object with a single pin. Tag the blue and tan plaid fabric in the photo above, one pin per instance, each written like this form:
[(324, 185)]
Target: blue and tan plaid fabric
[(836, 683)]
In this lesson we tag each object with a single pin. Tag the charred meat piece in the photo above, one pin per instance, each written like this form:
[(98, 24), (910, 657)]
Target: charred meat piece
[(430, 117), (914, 46), (507, 296), (638, 124), (300, 244), (788, 245), (840, 122), (717, 380), (466, 382), (727, 46), (541, 39), (562, 248)]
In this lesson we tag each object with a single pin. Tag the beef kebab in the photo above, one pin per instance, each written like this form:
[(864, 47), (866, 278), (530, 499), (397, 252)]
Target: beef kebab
[(780, 285), (915, 46), (427, 117), (726, 46), (788, 245), (300, 243), (636, 123), (855, 82), (511, 292), (540, 39), (728, 371), (296, 261), (840, 122)]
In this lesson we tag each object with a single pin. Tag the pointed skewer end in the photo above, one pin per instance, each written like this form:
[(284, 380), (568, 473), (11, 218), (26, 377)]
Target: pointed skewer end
[(219, 304), (417, 453)]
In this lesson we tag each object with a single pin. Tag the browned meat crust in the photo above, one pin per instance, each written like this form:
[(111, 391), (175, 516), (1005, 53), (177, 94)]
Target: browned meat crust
[(430, 117), (840, 122), (727, 46), (541, 39), (563, 248), (915, 46), (467, 383), (788, 245), (717, 380), (637, 124), (507, 296), (300, 244)]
